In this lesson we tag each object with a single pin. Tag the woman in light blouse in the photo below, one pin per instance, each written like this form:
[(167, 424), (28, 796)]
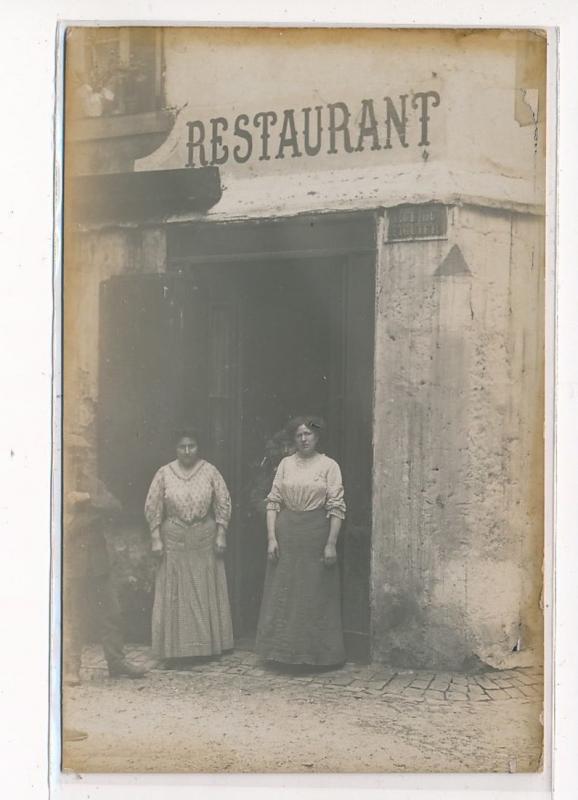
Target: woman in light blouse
[(188, 509), (300, 619)]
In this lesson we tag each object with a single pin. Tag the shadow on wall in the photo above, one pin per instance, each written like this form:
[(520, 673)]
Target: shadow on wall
[(407, 640), (133, 575)]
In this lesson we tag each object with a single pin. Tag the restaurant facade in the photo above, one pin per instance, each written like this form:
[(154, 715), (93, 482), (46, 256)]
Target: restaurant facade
[(262, 223)]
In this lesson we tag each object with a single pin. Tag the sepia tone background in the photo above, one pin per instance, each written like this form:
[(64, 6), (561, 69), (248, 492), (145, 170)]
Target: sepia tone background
[(417, 272)]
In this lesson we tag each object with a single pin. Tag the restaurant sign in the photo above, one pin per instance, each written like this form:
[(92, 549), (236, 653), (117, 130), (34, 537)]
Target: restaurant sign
[(307, 132)]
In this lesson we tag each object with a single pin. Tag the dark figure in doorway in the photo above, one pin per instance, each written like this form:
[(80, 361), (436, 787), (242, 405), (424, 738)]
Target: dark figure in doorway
[(279, 446), (88, 585), (188, 509), (300, 619)]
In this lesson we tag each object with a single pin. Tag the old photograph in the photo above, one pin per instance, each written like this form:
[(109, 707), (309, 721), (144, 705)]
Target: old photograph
[(303, 400)]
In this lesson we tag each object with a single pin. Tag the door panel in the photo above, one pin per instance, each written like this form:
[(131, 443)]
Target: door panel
[(222, 424), (152, 377)]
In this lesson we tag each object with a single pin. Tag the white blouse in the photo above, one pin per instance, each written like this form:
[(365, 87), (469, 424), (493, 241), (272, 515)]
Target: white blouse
[(306, 484)]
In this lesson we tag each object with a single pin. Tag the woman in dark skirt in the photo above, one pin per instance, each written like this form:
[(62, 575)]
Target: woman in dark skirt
[(300, 619)]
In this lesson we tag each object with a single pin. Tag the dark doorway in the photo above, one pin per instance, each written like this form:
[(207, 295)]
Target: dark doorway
[(286, 332), (238, 346)]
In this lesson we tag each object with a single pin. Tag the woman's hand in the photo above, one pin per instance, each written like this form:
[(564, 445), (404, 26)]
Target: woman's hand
[(157, 546), (220, 543), (330, 552), (272, 550), (330, 555)]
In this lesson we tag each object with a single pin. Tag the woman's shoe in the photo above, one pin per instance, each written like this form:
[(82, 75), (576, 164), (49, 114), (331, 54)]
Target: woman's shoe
[(123, 669)]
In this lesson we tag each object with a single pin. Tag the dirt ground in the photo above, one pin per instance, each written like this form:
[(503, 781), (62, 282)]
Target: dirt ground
[(221, 721)]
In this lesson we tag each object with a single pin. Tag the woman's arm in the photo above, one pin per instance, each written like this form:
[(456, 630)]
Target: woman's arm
[(221, 500), (272, 544), (154, 505), (221, 540), (330, 552), (156, 542), (274, 502), (222, 509), (335, 506), (335, 503)]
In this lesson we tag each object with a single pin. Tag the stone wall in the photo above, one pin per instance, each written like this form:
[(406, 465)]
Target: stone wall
[(458, 479), (93, 257)]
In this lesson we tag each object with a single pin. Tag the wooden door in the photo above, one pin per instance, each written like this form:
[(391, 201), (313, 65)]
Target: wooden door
[(222, 423), (167, 359), (151, 380)]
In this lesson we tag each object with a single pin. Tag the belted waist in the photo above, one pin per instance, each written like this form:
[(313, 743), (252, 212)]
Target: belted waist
[(183, 524), (195, 535)]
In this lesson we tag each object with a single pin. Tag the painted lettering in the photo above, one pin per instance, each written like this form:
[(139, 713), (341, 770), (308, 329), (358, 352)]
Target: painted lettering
[(196, 142), (288, 137), (310, 149), (423, 98), (399, 121), (262, 120), (241, 133), (342, 127), (334, 128), (217, 141), (368, 126)]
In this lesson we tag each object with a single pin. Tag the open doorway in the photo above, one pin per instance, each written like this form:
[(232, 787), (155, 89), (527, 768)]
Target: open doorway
[(300, 341), (287, 333), (238, 345), (287, 365)]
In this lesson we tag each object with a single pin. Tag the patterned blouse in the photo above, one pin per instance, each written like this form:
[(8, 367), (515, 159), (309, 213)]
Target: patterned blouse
[(187, 497), (305, 484)]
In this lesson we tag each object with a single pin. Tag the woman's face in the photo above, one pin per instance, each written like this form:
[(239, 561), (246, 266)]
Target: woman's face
[(187, 451), (306, 440)]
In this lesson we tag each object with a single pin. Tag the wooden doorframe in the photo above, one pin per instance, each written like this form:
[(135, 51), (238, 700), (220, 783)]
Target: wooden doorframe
[(306, 236), (351, 237)]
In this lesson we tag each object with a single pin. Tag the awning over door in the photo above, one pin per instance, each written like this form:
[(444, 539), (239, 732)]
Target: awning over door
[(141, 196)]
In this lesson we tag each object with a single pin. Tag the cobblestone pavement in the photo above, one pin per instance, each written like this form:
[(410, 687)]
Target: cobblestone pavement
[(374, 680), (237, 714)]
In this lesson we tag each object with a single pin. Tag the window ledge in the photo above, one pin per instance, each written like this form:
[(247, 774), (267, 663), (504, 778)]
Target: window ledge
[(113, 127)]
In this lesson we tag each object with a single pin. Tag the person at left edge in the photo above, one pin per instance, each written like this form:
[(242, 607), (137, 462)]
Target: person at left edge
[(88, 583)]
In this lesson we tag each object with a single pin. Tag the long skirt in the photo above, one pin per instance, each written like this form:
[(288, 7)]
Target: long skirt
[(300, 618), (191, 612)]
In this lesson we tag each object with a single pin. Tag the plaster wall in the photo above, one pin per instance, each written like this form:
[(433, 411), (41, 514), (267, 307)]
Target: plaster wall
[(458, 524)]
